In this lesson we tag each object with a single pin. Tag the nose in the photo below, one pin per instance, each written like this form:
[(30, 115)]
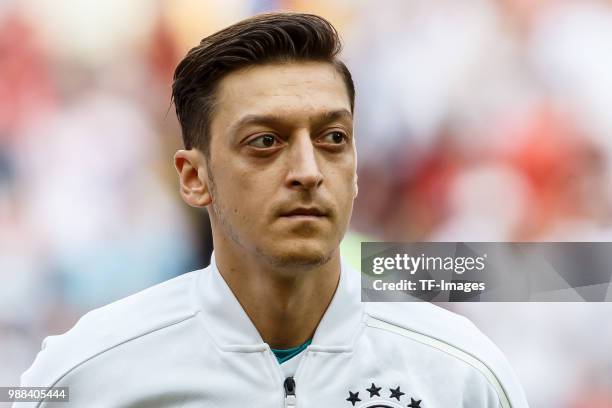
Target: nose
[(304, 172)]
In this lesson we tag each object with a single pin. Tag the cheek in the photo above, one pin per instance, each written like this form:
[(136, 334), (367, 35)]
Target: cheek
[(345, 179), (247, 174), (233, 184), (242, 197)]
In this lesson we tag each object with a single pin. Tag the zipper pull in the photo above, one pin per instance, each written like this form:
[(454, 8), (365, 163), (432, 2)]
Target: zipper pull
[(290, 399)]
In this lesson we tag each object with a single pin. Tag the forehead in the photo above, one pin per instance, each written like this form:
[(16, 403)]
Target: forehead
[(296, 89)]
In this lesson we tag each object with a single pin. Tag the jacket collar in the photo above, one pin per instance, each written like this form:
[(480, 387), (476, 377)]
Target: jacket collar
[(230, 327)]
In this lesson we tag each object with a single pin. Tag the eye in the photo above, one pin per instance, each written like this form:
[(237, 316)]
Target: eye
[(335, 138), (263, 141)]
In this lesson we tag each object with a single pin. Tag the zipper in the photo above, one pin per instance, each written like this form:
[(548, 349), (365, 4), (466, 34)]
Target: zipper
[(290, 398)]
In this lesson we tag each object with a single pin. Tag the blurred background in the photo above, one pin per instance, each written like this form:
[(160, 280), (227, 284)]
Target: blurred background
[(476, 121)]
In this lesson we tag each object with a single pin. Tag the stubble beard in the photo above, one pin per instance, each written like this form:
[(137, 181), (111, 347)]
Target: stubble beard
[(289, 261)]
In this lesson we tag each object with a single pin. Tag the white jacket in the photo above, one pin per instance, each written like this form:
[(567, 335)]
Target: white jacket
[(187, 342)]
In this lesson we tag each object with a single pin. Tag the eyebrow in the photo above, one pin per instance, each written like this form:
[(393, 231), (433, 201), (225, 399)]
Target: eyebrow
[(275, 119)]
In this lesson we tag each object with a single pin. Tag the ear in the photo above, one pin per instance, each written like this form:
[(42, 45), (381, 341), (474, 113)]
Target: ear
[(193, 177), (355, 187)]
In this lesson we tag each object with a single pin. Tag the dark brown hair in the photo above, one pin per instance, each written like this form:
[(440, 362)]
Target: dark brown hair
[(265, 38)]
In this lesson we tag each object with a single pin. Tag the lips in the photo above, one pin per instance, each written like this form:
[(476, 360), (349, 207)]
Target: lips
[(305, 211)]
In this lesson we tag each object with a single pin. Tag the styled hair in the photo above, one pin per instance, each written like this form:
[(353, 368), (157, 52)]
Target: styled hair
[(262, 39)]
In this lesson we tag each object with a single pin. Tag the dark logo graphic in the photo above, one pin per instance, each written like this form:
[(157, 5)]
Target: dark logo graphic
[(381, 398)]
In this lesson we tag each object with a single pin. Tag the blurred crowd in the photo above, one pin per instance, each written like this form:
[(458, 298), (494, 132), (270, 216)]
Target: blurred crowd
[(476, 120)]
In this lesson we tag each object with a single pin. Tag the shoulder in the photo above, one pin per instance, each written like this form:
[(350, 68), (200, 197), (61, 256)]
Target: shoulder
[(424, 317), (110, 326), (452, 334)]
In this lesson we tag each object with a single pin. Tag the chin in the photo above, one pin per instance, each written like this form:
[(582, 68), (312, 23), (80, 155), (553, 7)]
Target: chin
[(303, 255)]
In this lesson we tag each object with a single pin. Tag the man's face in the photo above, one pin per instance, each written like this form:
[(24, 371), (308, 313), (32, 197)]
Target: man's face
[(282, 161)]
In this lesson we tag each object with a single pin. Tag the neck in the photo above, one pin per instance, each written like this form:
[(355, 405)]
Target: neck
[(285, 304)]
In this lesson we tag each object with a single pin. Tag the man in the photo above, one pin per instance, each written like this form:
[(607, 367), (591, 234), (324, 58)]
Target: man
[(266, 111)]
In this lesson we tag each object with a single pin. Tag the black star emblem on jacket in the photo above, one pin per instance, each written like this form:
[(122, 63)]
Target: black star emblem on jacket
[(373, 390), (396, 393), (353, 397), (414, 404)]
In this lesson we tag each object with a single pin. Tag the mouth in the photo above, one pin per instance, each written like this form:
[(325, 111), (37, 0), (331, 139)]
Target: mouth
[(305, 212)]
